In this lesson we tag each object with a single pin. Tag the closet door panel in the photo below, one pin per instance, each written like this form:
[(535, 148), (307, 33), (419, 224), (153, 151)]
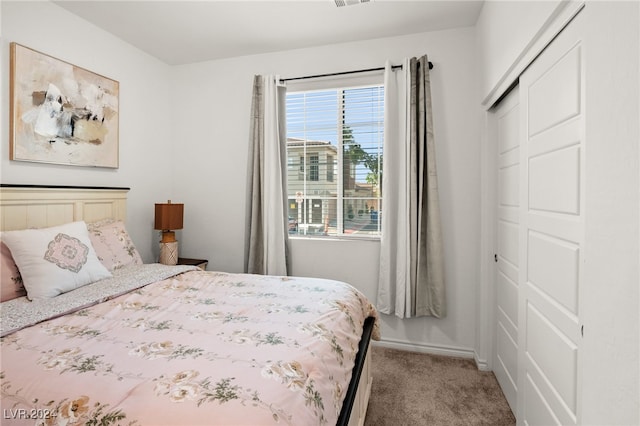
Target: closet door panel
[(537, 412), (558, 366), (554, 268), (508, 246), (551, 231), (507, 358), (555, 95), (555, 179), (507, 297), (508, 242)]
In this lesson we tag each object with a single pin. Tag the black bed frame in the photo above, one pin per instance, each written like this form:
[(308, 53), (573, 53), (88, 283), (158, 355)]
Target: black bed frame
[(350, 396)]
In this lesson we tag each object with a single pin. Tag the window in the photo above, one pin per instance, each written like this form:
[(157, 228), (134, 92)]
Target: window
[(301, 168), (334, 147), (330, 166), (313, 167)]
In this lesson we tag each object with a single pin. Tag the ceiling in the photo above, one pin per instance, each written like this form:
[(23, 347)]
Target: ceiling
[(181, 32)]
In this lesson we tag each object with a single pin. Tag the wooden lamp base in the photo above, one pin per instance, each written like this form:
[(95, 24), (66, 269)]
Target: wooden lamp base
[(168, 237)]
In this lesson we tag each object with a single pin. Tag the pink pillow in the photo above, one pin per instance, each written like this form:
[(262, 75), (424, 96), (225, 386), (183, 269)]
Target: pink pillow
[(10, 280), (113, 245)]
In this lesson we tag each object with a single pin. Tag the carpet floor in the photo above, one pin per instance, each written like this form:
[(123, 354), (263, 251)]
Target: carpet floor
[(412, 388)]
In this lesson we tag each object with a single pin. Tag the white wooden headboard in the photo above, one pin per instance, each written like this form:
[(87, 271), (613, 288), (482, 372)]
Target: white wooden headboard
[(32, 206)]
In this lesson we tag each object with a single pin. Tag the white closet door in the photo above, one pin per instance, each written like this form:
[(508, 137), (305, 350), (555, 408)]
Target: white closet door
[(551, 236), (507, 116)]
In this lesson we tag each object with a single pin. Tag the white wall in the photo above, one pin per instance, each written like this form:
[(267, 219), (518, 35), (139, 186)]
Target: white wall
[(504, 29), (212, 104), (145, 144), (610, 304)]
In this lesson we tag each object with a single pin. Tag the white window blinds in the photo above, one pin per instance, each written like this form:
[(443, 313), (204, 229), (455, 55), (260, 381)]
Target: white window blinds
[(334, 149)]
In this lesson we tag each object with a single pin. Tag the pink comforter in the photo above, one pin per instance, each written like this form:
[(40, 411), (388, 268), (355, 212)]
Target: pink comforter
[(200, 348)]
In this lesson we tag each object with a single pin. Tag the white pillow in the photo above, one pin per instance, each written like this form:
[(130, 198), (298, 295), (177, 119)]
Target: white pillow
[(55, 260)]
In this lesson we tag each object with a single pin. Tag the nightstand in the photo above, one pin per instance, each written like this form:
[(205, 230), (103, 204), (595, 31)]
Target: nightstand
[(200, 263)]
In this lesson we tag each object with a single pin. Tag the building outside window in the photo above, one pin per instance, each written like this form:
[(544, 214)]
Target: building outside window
[(334, 150)]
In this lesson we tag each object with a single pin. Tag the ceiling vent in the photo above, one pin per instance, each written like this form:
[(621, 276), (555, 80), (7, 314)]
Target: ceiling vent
[(341, 3)]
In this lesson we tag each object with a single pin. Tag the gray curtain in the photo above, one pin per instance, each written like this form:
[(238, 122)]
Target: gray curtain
[(411, 276), (427, 256), (266, 245)]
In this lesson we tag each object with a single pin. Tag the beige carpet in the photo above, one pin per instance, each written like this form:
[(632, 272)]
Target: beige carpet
[(418, 389)]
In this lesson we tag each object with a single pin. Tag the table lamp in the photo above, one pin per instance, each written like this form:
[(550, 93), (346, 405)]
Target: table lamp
[(168, 218)]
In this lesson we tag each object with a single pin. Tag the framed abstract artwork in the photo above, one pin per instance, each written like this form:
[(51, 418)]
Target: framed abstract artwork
[(61, 113)]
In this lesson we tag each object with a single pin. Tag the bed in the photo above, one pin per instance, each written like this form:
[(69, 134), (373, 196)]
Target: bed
[(123, 342)]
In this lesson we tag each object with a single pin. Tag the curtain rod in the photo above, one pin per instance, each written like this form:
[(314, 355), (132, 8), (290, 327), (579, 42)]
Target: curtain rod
[(282, 80)]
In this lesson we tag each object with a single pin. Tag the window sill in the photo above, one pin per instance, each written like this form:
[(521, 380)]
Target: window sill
[(374, 238)]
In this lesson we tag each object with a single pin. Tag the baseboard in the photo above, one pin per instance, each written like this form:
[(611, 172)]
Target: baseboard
[(482, 364), (452, 351), (424, 348)]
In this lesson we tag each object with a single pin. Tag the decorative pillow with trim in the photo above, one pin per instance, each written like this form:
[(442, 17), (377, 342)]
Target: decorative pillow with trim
[(55, 260), (113, 245), (10, 279)]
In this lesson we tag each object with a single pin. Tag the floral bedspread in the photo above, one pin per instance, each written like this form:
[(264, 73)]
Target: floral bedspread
[(199, 348)]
